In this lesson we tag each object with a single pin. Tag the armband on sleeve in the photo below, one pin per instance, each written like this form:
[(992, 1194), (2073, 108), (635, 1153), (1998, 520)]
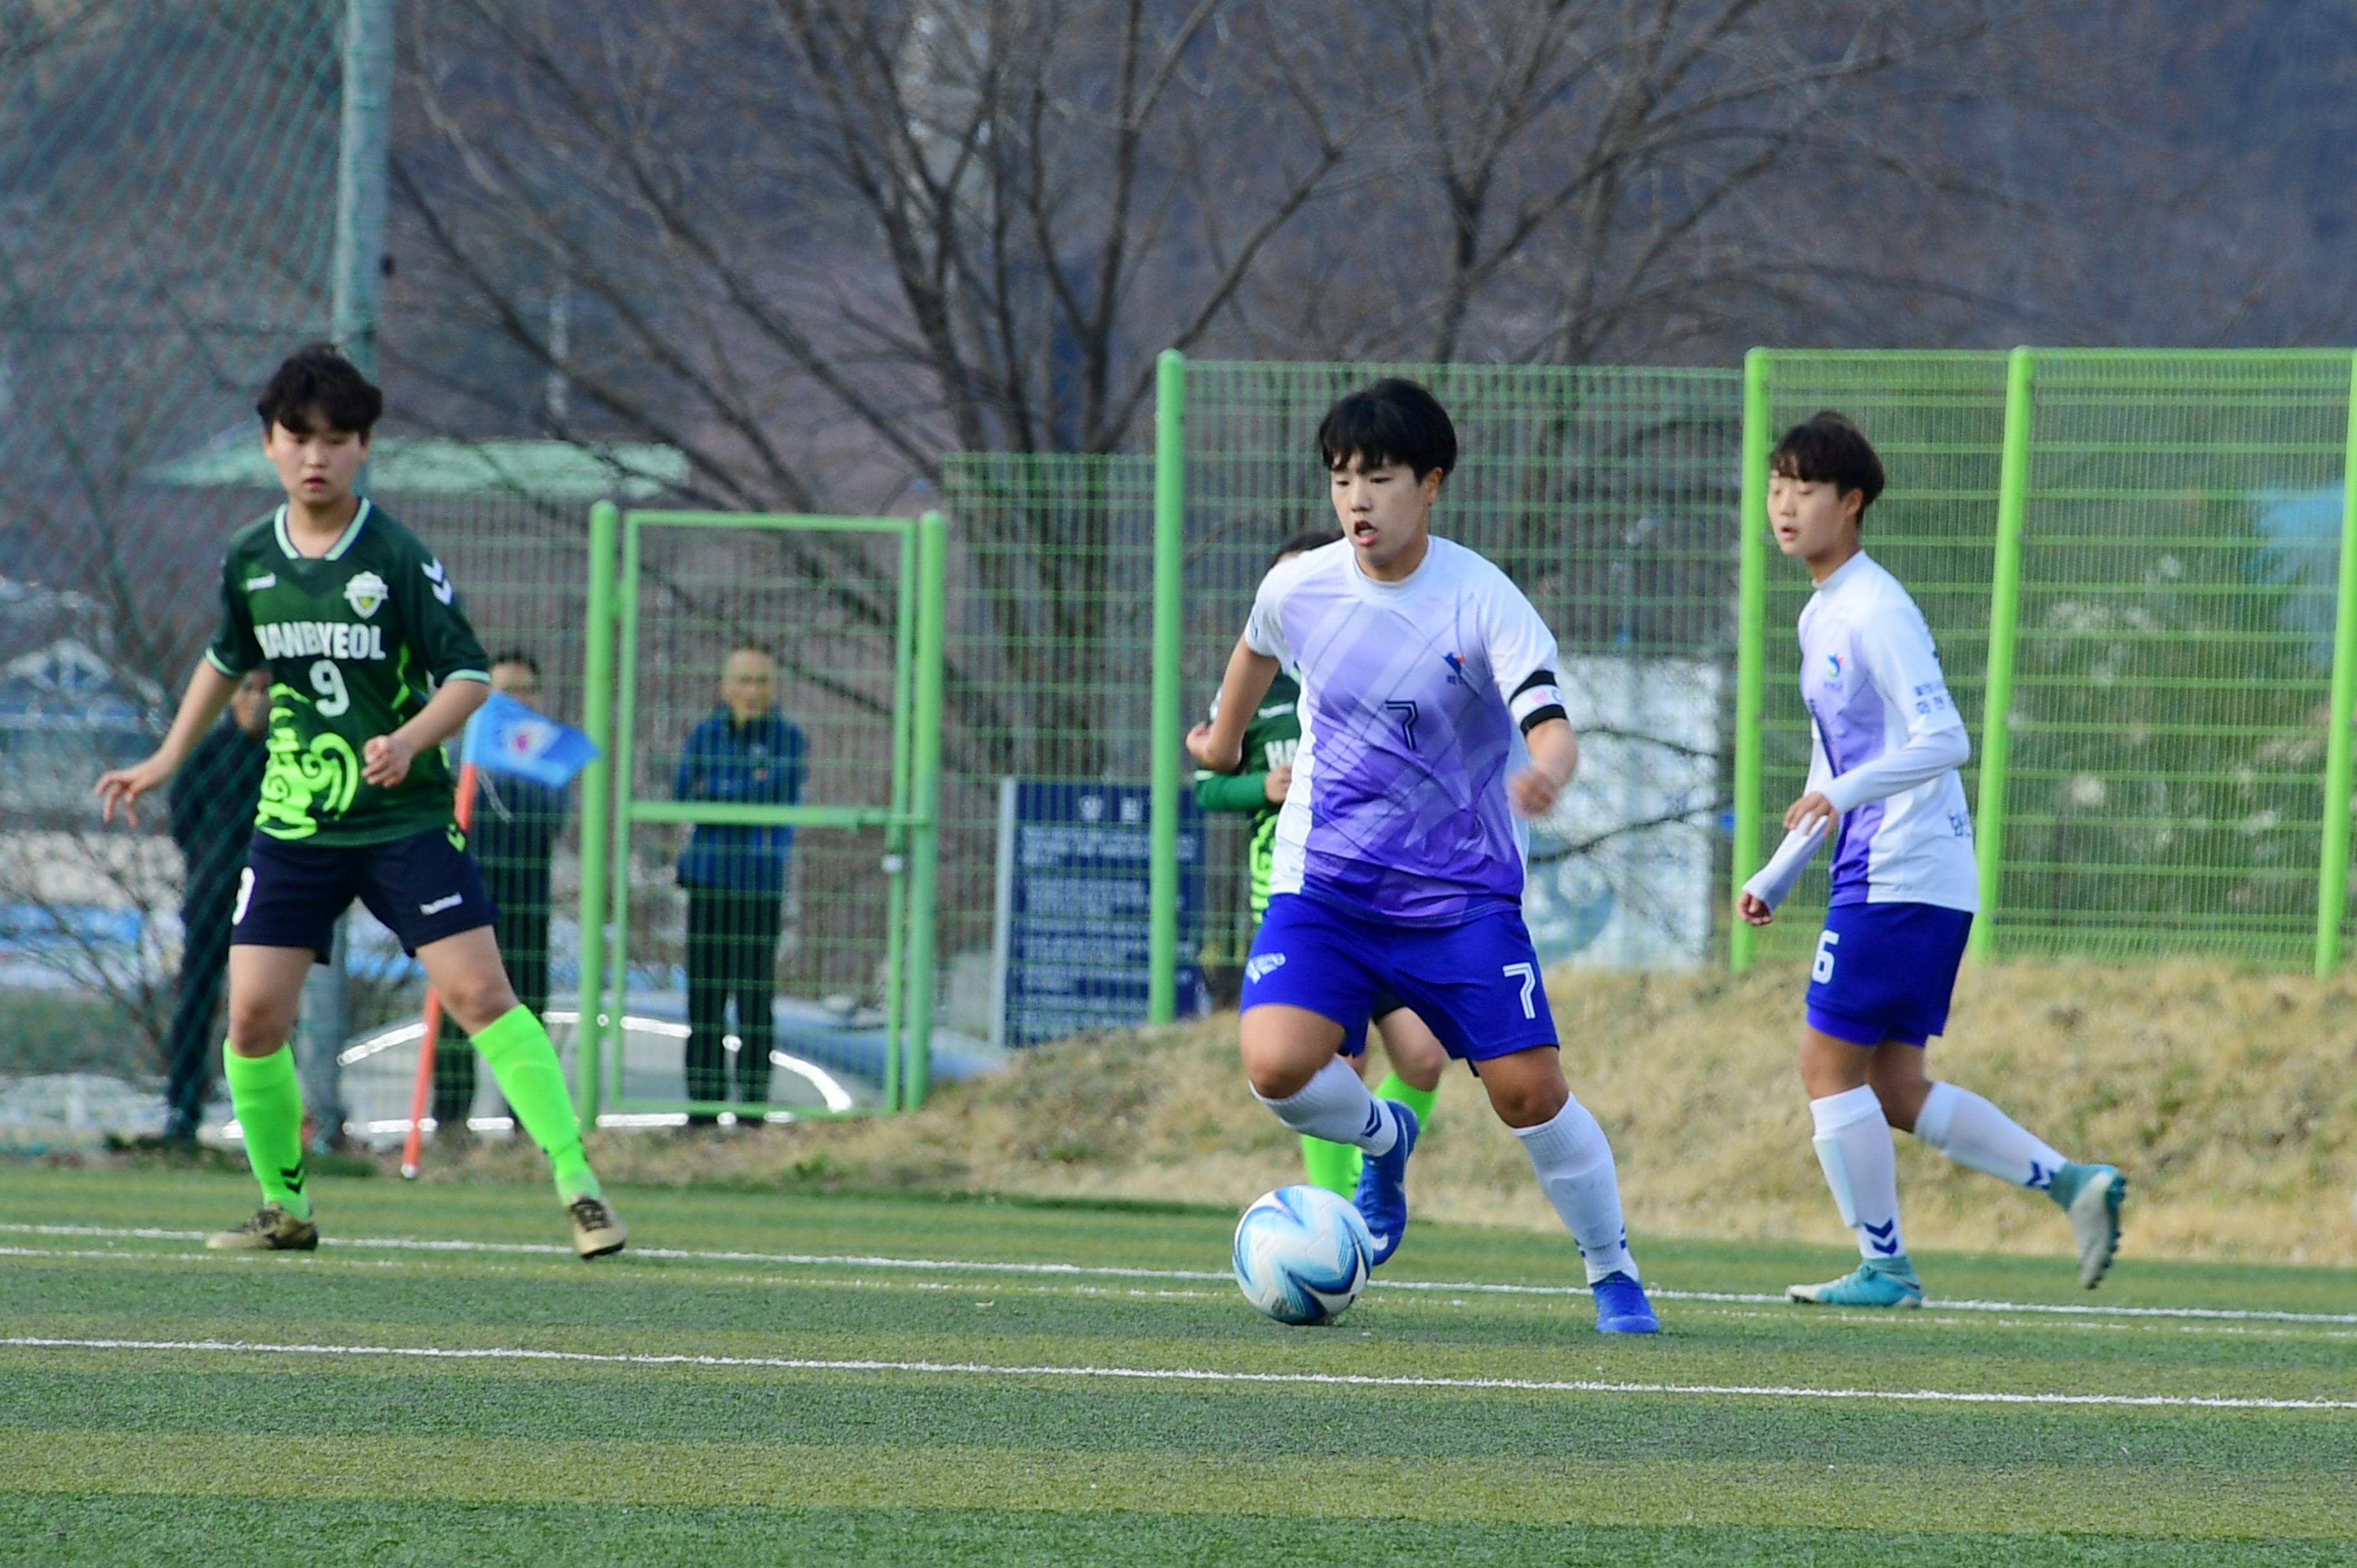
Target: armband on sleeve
[(1535, 701)]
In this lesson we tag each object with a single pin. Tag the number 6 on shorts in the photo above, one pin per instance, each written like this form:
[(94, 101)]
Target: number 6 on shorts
[(1821, 971)]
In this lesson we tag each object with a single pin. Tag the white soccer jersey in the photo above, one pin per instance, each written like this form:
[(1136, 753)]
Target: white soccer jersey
[(1887, 744), (1413, 694)]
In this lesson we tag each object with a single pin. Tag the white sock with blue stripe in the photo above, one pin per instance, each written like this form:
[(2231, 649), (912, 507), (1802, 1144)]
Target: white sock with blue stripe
[(1976, 1134), (1854, 1148), (1573, 1160), (1336, 1106)]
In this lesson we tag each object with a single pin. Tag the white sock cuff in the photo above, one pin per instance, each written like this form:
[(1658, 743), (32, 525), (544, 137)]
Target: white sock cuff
[(1931, 1123), (1836, 1112), (1335, 1105), (1572, 1139)]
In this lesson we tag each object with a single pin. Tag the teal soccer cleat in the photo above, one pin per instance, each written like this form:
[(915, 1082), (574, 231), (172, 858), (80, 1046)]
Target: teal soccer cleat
[(1882, 1281), (2091, 1196)]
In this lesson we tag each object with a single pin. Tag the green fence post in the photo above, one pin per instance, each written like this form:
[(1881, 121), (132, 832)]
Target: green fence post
[(896, 837), (626, 729), (1169, 582), (596, 805), (2005, 604), (1751, 644), (925, 791), (2332, 870)]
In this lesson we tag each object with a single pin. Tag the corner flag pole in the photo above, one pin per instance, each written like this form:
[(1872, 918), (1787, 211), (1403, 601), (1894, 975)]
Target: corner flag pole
[(423, 1093)]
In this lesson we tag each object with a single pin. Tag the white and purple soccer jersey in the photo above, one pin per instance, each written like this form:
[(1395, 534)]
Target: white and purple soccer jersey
[(1412, 698), (1888, 745)]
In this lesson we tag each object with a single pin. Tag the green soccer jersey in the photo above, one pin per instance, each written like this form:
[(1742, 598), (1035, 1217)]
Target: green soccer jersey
[(1271, 738), (356, 640)]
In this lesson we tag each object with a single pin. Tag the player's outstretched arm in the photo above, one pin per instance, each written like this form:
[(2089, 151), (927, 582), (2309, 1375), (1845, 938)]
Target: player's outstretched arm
[(1554, 757), (1218, 744), (208, 693), (385, 759)]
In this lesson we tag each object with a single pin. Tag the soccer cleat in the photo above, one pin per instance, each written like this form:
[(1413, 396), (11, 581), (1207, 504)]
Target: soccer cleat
[(1381, 1200), (2091, 1196), (272, 1230), (1875, 1283), (1621, 1306), (597, 1228)]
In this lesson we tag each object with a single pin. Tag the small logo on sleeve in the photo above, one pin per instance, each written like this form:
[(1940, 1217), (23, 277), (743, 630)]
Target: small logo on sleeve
[(442, 587), (440, 904), (1455, 669), (267, 580), (1834, 660), (1263, 965)]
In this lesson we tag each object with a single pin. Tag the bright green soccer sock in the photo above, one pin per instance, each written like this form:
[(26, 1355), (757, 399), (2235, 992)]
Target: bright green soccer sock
[(1334, 1167), (269, 1105), (517, 1051), (1417, 1100)]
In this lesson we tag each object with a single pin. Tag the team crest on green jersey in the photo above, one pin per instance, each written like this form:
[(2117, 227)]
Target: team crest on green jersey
[(365, 592)]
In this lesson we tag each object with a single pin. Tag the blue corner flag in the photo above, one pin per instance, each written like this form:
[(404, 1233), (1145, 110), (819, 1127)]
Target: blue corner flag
[(506, 737)]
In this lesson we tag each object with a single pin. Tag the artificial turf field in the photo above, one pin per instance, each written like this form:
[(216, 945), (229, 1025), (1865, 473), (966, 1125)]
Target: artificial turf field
[(767, 1378)]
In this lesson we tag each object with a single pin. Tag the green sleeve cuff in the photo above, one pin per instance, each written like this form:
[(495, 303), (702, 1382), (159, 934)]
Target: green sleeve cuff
[(1231, 792)]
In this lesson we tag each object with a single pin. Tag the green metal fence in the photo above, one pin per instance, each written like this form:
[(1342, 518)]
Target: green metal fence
[(1938, 421), (1608, 493), (2137, 558), (847, 615)]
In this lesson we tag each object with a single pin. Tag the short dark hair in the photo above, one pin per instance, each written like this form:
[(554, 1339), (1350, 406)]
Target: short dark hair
[(1395, 421), (317, 384), (518, 656), (1829, 448), (1307, 539)]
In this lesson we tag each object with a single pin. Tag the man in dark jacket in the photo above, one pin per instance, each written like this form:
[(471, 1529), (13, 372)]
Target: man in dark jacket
[(745, 754), (213, 800), (513, 837)]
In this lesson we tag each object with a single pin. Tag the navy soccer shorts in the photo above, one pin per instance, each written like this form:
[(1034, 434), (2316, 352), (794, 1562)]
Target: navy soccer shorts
[(423, 887), (1885, 971), (1476, 984)]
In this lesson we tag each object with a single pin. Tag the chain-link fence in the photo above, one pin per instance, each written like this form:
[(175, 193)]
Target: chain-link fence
[(1938, 421), (1609, 495), (2140, 553), (166, 167)]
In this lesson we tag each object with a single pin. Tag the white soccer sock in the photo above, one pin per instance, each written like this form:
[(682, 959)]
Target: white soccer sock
[(1335, 1106), (1972, 1132), (1854, 1146), (1574, 1163)]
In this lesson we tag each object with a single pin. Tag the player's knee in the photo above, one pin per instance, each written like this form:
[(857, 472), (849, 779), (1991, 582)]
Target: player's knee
[(478, 1002), (257, 1027), (1526, 1099), (1275, 1077)]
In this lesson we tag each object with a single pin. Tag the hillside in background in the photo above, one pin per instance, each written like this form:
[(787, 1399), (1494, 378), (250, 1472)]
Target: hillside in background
[(2229, 1097)]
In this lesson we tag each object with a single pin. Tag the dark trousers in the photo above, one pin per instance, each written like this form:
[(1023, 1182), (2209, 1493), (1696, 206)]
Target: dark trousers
[(522, 932), (204, 974), (732, 955)]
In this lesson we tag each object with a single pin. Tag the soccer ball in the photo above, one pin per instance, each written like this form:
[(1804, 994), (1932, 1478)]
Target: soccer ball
[(1302, 1254)]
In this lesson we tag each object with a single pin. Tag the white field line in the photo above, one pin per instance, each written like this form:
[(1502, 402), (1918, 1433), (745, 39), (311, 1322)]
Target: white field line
[(1185, 1375), (1100, 1271)]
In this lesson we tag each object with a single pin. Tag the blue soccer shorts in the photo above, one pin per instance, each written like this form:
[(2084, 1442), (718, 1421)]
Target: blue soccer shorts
[(423, 887), (1885, 971), (1476, 984)]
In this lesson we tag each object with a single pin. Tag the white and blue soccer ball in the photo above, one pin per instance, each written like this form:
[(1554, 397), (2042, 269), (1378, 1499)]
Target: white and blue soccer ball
[(1303, 1255)]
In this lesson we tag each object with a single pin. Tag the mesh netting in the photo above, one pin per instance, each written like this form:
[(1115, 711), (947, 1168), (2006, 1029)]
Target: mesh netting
[(1608, 495)]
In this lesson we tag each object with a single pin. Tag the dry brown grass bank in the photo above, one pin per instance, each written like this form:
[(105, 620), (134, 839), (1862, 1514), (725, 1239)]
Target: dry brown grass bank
[(2229, 1096)]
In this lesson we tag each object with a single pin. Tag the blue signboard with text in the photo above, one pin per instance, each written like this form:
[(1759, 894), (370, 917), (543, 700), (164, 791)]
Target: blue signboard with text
[(1074, 908)]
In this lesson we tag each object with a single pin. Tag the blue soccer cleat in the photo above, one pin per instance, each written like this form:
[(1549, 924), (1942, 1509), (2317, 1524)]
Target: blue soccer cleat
[(1381, 1200), (2091, 1196), (1880, 1282), (1621, 1306)]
